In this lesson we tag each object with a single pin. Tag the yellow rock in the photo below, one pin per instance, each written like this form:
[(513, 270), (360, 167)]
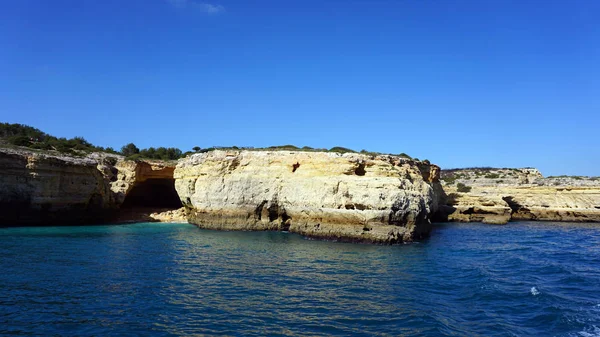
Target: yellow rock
[(351, 197)]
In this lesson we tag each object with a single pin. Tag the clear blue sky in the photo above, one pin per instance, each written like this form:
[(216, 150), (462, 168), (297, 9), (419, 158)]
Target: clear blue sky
[(462, 83)]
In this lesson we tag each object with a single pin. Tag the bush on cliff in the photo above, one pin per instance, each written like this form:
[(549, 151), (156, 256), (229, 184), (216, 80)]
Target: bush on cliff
[(27, 136), (284, 147), (340, 149), (129, 150), (132, 152), (460, 187), (19, 140), (23, 135)]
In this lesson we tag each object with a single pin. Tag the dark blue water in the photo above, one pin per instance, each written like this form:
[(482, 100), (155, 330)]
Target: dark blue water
[(523, 279)]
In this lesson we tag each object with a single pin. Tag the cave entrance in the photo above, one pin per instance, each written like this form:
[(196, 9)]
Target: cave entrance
[(153, 193)]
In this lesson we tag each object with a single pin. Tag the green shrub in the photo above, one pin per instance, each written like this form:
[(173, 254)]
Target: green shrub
[(283, 147), (340, 149), (23, 135), (460, 187), (369, 153), (492, 176), (134, 157), (19, 140), (41, 146), (110, 150), (449, 180), (129, 150)]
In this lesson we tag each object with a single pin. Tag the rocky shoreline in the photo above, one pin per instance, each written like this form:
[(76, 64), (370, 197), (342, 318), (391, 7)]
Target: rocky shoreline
[(498, 196), (343, 197)]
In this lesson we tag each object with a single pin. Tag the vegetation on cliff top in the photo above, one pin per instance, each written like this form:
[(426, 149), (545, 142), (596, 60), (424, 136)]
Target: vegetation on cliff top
[(30, 137), (27, 136), (460, 187), (451, 175), (336, 149), (132, 152)]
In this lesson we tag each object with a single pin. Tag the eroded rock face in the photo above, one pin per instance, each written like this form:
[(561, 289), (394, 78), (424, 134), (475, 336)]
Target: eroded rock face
[(129, 173), (40, 189), (501, 195), (44, 189), (350, 197)]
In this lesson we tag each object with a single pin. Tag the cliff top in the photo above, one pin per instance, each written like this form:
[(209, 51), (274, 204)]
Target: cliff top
[(487, 176), (268, 152), (80, 159), (19, 136), (293, 148)]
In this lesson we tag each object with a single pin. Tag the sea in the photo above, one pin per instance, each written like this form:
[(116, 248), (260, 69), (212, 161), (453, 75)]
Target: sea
[(152, 279)]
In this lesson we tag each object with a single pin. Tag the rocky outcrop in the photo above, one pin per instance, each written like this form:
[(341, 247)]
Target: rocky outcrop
[(177, 215), (350, 197), (42, 188), (500, 195), (127, 174)]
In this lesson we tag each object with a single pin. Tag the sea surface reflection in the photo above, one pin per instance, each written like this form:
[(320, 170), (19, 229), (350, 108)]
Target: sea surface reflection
[(522, 279)]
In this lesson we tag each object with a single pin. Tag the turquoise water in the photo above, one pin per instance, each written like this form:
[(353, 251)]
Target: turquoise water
[(523, 279)]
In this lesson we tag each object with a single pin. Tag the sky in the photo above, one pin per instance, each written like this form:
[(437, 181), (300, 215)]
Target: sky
[(461, 83)]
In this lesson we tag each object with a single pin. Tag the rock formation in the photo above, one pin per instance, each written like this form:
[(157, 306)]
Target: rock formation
[(351, 197), (127, 174), (500, 195), (41, 188)]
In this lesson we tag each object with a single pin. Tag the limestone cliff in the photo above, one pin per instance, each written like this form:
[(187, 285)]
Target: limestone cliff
[(500, 195), (352, 197), (42, 188), (126, 174)]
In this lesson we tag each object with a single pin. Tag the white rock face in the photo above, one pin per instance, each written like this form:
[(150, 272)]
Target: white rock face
[(351, 197)]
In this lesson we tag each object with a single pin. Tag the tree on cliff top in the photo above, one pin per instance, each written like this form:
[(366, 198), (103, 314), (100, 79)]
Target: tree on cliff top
[(129, 150)]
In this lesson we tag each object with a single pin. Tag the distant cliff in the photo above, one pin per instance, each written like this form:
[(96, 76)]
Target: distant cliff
[(350, 197), (500, 195)]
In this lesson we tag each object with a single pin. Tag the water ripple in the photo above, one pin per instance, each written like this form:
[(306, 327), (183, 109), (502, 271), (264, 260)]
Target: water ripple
[(523, 279)]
